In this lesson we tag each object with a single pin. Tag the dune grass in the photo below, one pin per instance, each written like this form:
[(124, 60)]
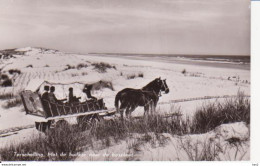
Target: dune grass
[(13, 103), (70, 139), (102, 67), (6, 96), (212, 115), (57, 144), (134, 75)]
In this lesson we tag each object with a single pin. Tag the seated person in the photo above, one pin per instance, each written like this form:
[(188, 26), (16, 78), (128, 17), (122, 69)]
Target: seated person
[(53, 98), (45, 94), (87, 91), (55, 109), (45, 99), (72, 98)]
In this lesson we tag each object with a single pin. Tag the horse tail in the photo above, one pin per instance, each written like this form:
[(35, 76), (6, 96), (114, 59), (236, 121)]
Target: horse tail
[(117, 99)]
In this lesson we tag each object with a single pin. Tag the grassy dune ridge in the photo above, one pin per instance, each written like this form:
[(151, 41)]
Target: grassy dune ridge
[(65, 140)]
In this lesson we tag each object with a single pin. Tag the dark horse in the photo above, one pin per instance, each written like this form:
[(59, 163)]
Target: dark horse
[(146, 97)]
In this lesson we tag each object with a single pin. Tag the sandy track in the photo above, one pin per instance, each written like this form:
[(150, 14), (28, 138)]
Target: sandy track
[(199, 98), (6, 132)]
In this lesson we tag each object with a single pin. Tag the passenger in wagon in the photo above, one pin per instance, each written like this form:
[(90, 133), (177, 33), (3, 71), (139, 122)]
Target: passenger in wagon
[(53, 98), (72, 98), (45, 99), (45, 94), (54, 101), (87, 91)]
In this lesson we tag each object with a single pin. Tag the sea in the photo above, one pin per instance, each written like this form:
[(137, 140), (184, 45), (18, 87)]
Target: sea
[(219, 61)]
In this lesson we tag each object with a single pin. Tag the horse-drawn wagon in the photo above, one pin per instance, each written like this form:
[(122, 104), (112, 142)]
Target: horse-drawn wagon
[(47, 112), (86, 111)]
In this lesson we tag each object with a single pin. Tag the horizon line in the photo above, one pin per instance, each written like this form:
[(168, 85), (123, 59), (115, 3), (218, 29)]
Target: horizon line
[(118, 53)]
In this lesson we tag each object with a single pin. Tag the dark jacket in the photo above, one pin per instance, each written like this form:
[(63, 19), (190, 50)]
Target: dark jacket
[(45, 96)]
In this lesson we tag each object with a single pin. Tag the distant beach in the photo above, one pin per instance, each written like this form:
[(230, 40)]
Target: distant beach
[(235, 62)]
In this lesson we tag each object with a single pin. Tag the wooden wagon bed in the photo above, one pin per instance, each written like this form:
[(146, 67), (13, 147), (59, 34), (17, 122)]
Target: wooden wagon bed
[(34, 105)]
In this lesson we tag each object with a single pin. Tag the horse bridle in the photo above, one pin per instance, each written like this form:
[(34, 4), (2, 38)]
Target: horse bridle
[(160, 91), (164, 86)]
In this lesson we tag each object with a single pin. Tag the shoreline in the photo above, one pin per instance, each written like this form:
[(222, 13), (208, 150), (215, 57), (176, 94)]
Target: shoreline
[(215, 64)]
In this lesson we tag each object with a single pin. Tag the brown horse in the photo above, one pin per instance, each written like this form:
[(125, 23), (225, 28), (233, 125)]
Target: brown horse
[(146, 97)]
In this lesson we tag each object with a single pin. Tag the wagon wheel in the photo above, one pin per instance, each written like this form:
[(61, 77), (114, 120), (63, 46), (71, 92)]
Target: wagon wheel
[(88, 121)]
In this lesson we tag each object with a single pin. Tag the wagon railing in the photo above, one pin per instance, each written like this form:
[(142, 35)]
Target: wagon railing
[(52, 109)]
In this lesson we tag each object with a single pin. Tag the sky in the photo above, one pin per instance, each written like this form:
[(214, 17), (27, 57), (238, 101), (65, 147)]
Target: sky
[(212, 27)]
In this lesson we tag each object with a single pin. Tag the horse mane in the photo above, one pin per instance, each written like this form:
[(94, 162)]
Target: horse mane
[(150, 85)]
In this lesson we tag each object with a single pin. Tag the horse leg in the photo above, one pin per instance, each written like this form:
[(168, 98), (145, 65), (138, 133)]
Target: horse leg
[(132, 110), (152, 107), (146, 109), (121, 110), (127, 112), (155, 104)]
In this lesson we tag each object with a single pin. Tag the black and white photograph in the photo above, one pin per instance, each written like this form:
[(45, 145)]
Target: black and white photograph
[(125, 80)]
